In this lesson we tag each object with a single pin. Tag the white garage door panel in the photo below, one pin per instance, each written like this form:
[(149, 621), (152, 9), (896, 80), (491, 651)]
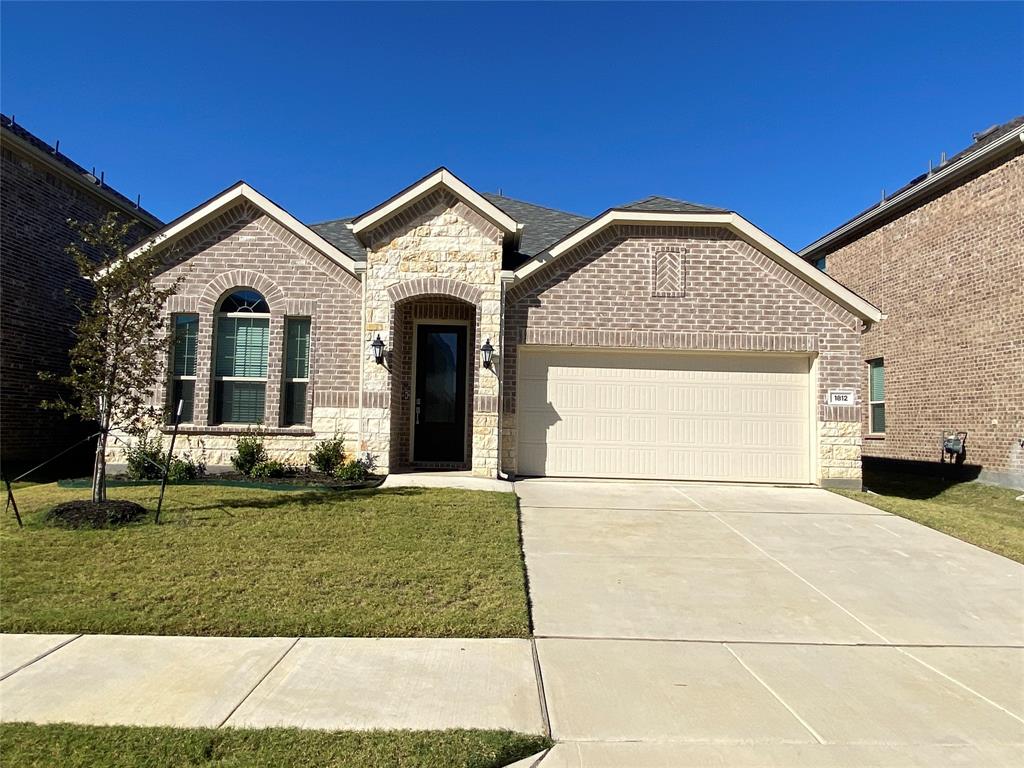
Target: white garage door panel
[(675, 416)]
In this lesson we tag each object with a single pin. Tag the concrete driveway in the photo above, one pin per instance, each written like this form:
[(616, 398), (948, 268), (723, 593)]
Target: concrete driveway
[(688, 624)]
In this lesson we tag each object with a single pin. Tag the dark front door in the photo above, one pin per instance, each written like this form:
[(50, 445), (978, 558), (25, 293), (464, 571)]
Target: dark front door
[(440, 407)]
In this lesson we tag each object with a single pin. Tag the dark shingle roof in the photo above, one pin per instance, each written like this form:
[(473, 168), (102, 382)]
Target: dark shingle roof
[(338, 234), (88, 178), (659, 204), (541, 226), (981, 140)]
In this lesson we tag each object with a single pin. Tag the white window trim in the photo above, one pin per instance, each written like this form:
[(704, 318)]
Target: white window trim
[(872, 432), (261, 379)]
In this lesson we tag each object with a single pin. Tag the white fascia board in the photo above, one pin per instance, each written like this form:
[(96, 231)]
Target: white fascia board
[(437, 179), (963, 165), (731, 221), (200, 215)]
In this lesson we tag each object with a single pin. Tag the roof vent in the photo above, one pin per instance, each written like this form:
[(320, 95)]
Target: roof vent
[(985, 134)]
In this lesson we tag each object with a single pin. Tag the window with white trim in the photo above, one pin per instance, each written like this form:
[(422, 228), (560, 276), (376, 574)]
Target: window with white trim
[(241, 351), (183, 367), (876, 396), (296, 370)]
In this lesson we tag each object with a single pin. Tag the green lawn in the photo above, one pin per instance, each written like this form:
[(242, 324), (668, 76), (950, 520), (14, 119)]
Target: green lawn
[(68, 746), (984, 515), (403, 562)]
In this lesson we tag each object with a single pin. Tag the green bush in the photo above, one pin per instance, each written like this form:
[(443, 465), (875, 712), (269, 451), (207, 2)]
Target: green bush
[(268, 469), (356, 470), (249, 452), (146, 458), (328, 456), (186, 468)]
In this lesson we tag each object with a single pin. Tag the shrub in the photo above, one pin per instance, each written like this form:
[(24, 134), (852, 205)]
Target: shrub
[(92, 514), (146, 458), (269, 468), (329, 456), (186, 468), (357, 470), (249, 452)]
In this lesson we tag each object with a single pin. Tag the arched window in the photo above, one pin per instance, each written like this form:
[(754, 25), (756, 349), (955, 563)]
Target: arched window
[(241, 350)]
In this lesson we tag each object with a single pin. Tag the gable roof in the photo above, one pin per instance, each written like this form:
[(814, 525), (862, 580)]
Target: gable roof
[(440, 178), (668, 205), (718, 218), (238, 191), (541, 226), (988, 145), (40, 150)]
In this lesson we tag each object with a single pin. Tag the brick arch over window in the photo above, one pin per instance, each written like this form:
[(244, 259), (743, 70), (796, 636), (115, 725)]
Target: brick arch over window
[(434, 286), (242, 278)]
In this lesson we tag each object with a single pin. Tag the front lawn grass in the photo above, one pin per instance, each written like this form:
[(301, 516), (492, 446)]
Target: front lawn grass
[(402, 562), (984, 515), (84, 746)]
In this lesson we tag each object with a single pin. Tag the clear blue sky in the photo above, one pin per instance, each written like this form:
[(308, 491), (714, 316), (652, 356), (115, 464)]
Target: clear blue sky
[(795, 115)]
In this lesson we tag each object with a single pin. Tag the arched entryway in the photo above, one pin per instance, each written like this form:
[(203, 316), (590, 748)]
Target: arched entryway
[(433, 379)]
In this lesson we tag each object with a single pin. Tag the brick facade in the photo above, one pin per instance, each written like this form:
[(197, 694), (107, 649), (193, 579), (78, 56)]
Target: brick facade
[(439, 260), (949, 274), (726, 296), (38, 315), (244, 248)]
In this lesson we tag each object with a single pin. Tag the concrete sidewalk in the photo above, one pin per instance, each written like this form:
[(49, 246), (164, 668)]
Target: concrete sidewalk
[(324, 683)]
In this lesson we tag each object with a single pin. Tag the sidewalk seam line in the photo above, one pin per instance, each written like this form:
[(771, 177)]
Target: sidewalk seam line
[(777, 697), (40, 657), (736, 641), (953, 680), (541, 694), (259, 682), (690, 499)]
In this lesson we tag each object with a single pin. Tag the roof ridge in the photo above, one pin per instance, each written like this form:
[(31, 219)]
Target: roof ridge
[(536, 205)]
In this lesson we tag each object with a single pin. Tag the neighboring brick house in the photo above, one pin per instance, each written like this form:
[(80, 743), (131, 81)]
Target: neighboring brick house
[(944, 259), (449, 329), (41, 190)]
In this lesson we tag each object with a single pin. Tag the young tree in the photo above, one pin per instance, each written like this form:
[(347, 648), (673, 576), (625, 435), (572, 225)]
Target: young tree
[(120, 343)]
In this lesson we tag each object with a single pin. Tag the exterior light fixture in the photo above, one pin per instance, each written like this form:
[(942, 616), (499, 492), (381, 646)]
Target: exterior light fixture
[(378, 350), (485, 353)]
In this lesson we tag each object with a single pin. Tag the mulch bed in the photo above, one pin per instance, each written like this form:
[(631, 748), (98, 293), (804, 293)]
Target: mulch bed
[(89, 514)]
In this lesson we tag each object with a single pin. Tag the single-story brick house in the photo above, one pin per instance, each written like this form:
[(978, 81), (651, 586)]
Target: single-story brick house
[(659, 339), (944, 255)]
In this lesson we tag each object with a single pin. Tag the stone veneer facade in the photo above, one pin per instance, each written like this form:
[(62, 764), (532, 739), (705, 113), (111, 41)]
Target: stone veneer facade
[(437, 248), (439, 259)]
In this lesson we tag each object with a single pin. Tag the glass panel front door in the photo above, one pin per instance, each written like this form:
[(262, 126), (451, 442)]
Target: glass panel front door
[(440, 399)]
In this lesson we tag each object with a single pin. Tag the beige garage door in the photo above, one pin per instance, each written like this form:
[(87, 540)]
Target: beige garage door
[(588, 413)]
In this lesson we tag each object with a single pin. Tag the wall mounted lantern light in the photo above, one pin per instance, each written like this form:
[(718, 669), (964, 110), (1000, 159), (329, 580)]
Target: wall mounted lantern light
[(485, 353), (378, 350)]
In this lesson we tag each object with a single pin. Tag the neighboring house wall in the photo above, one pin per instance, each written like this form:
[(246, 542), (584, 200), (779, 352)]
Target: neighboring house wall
[(949, 274), (243, 248), (38, 314), (721, 294)]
